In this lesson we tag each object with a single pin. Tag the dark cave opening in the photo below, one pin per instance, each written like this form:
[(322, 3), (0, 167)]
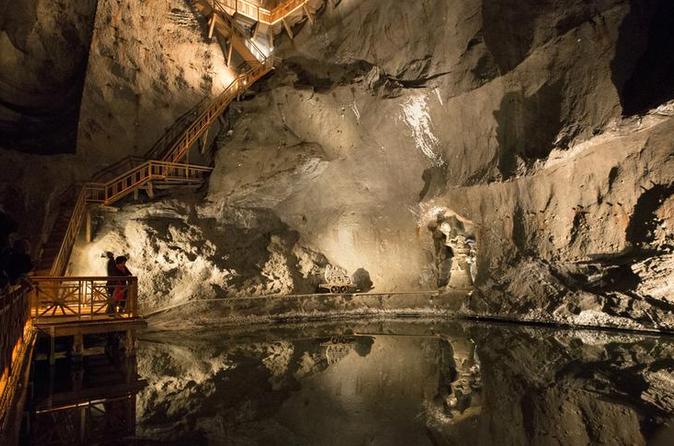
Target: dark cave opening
[(651, 82), (644, 222)]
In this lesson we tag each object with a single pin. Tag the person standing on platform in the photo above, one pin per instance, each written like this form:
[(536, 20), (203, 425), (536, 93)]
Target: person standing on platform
[(110, 285), (120, 293)]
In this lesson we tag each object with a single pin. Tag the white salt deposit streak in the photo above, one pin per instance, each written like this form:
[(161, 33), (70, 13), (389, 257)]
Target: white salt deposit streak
[(416, 116)]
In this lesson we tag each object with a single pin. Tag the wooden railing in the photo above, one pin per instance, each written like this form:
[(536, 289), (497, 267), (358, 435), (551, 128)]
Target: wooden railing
[(180, 148), (139, 176), (81, 298), (116, 189), (14, 329), (252, 9), (74, 224)]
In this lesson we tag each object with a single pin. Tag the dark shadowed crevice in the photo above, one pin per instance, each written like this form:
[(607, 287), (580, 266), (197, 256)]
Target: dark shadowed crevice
[(45, 120), (508, 44), (528, 126), (643, 68), (641, 228)]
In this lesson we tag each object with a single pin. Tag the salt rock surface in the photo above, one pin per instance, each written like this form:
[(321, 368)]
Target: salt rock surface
[(384, 114), (182, 252)]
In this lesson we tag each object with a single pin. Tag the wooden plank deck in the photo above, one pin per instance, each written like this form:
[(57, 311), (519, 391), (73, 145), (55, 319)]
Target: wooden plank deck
[(70, 326)]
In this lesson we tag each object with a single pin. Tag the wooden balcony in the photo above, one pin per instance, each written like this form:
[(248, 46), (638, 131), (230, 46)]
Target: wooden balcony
[(66, 299)]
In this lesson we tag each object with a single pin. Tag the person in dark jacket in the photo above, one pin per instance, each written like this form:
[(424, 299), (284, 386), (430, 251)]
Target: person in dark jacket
[(19, 262), (110, 284), (120, 293)]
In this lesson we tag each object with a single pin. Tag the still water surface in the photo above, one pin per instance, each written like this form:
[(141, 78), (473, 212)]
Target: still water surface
[(369, 383)]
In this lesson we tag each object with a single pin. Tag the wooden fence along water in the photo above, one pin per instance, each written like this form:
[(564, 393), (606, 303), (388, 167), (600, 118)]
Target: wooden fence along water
[(15, 335)]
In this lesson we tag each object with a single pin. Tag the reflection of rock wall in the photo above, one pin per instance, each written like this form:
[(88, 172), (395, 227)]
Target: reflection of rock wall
[(572, 388), (419, 383)]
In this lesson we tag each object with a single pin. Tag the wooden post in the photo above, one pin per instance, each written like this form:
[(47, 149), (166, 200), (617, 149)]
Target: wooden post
[(78, 346), (87, 226), (211, 26), (287, 28), (129, 343), (229, 54), (135, 195), (150, 191), (83, 424), (52, 347), (270, 36), (309, 16), (204, 141)]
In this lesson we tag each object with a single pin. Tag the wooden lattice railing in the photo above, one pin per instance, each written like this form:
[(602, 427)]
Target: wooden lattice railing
[(14, 335), (81, 298), (139, 176), (252, 9)]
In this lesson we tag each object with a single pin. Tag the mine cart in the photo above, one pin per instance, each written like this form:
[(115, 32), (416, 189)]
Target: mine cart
[(337, 281)]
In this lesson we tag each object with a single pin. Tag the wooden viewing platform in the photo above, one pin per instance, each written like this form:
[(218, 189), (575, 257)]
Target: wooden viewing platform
[(79, 306)]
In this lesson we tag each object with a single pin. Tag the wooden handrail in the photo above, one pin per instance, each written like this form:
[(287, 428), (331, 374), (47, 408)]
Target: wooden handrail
[(254, 11), (81, 298), (14, 323), (180, 148), (74, 223), (117, 188)]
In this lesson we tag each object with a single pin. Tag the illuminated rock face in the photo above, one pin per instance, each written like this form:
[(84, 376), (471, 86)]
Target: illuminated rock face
[(185, 251), (507, 115), (384, 116)]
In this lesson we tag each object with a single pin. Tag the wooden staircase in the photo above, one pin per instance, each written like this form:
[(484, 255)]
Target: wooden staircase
[(163, 165), (51, 249)]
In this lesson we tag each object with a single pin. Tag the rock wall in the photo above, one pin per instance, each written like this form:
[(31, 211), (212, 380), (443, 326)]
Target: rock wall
[(44, 49), (386, 121), (150, 63), (506, 116)]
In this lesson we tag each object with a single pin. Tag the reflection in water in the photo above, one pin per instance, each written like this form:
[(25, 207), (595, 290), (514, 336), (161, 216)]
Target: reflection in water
[(93, 402), (404, 383)]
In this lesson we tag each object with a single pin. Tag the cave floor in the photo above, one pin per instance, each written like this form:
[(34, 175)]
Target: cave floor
[(390, 382)]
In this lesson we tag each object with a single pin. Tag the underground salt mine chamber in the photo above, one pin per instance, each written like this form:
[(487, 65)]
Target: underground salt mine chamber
[(337, 222)]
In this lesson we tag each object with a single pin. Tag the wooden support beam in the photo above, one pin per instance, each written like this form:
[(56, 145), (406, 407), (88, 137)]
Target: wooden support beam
[(204, 141), (270, 36), (130, 343), (308, 13), (149, 189), (78, 346), (288, 30), (229, 54), (52, 347), (211, 26), (87, 227)]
